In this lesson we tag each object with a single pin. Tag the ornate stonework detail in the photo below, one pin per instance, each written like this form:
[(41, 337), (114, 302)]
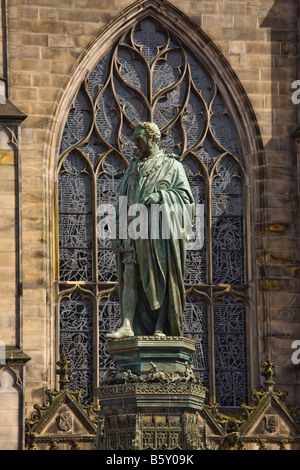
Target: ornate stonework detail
[(63, 423), (271, 423), (164, 394), (64, 371), (265, 424), (152, 388), (151, 381), (191, 431), (268, 371), (154, 432), (153, 375), (233, 441)]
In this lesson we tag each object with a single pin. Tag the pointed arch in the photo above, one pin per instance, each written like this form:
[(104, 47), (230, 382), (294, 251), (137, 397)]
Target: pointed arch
[(194, 39), (221, 98), (10, 380)]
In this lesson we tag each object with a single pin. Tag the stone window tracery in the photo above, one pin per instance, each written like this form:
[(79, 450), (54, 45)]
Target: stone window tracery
[(149, 74)]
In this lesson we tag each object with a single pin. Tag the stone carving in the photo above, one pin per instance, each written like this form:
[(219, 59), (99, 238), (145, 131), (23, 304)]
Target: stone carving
[(151, 268), (64, 371), (265, 423), (271, 423), (153, 375), (119, 376), (190, 375), (148, 431), (268, 371), (64, 421), (233, 441)]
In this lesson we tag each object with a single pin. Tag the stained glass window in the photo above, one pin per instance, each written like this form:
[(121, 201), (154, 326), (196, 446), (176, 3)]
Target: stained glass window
[(76, 335), (149, 74), (230, 347)]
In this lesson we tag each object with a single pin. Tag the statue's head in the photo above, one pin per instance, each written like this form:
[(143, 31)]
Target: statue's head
[(147, 136)]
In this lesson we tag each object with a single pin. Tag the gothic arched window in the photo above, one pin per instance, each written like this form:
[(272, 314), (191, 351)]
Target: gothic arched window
[(149, 74)]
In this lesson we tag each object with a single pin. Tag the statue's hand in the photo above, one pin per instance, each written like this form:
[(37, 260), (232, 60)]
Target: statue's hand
[(154, 198)]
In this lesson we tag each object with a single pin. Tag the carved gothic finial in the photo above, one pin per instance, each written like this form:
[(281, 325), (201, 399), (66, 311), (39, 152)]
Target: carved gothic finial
[(268, 372), (64, 371)]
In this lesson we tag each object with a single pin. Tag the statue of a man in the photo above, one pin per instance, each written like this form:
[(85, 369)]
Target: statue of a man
[(151, 268)]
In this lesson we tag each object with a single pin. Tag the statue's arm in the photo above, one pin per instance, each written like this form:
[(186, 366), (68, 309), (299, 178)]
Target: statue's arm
[(180, 186), (173, 182)]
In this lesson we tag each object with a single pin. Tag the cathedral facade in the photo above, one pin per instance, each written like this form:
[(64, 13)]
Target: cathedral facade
[(221, 79)]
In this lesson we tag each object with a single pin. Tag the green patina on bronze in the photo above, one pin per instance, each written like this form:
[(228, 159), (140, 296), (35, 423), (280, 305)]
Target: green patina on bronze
[(151, 271)]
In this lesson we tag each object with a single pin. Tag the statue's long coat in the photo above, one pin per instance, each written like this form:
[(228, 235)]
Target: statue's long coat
[(161, 261)]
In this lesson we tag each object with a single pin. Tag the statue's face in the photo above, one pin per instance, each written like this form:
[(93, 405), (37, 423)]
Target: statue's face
[(142, 141)]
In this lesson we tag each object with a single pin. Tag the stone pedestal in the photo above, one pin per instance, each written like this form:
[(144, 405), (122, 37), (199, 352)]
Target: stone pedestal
[(152, 398)]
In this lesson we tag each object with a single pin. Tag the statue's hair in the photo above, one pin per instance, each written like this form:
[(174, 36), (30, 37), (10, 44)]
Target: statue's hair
[(151, 129)]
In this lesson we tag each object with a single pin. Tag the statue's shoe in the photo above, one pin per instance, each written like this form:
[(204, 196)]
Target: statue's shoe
[(159, 334), (123, 332)]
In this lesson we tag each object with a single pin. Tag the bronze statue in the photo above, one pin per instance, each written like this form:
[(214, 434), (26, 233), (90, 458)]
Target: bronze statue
[(151, 268)]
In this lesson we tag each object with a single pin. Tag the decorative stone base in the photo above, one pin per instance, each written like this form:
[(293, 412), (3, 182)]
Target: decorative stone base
[(156, 431), (151, 400), (169, 354)]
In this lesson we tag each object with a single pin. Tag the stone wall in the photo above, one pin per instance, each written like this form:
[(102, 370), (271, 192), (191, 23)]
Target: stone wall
[(46, 39), (10, 410), (8, 241)]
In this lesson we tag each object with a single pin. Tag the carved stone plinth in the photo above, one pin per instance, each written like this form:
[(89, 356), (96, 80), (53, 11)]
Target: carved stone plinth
[(152, 398), (169, 353)]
